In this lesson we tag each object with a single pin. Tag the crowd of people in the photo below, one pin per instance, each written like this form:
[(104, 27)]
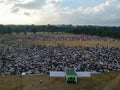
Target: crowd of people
[(59, 38), (42, 59)]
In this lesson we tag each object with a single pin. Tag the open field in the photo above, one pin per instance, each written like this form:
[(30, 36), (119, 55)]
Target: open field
[(40, 33), (91, 43), (76, 43), (70, 43), (106, 81)]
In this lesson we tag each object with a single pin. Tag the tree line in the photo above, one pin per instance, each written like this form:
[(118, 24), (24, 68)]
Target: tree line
[(109, 31), (104, 31)]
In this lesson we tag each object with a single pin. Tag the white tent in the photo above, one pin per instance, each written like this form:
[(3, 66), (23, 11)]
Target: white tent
[(57, 74), (62, 74), (83, 74)]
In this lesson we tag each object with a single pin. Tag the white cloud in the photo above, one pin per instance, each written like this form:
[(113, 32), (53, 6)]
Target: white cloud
[(104, 14), (50, 11), (118, 6), (54, 2), (27, 13), (35, 4), (15, 10)]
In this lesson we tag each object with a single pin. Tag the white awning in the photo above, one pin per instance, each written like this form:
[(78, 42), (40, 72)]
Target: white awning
[(83, 74), (57, 74)]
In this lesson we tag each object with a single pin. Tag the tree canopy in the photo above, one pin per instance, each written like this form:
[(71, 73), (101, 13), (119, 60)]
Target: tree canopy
[(104, 31)]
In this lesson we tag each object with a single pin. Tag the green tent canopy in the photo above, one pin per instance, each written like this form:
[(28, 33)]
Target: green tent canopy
[(71, 76)]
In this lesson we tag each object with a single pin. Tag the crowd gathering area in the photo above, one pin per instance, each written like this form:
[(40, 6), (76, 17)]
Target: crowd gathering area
[(41, 59)]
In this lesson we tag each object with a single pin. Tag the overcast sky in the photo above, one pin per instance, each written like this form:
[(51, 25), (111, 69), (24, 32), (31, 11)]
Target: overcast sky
[(77, 12)]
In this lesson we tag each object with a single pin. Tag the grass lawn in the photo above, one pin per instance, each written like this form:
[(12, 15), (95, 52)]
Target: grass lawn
[(95, 82), (65, 43), (70, 43)]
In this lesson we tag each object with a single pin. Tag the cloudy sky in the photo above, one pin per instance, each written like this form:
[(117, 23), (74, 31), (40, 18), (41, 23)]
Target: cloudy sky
[(77, 12)]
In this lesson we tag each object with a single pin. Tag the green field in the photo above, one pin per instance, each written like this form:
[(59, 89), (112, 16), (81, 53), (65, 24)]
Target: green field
[(106, 81)]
